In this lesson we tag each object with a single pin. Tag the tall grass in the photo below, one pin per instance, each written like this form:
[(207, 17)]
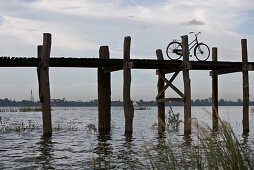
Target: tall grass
[(211, 150), (173, 121)]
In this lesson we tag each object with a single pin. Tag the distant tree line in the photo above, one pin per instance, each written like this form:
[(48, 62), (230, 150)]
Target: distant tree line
[(94, 103)]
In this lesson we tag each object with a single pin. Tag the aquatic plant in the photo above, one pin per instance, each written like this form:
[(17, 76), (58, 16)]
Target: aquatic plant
[(21, 127), (142, 108), (211, 150), (8, 110), (91, 127), (173, 121), (30, 109), (58, 126)]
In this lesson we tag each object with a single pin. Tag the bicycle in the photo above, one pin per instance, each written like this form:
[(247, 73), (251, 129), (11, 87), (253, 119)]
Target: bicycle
[(201, 50)]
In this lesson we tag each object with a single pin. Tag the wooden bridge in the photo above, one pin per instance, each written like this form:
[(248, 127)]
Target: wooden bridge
[(106, 65)]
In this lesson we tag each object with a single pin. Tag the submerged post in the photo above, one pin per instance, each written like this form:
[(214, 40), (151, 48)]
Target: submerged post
[(187, 88), (245, 121), (214, 93), (43, 77), (127, 103), (161, 105), (104, 93)]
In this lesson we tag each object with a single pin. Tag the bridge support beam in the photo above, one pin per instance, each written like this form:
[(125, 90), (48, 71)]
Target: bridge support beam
[(245, 121), (104, 93), (44, 89), (127, 103), (214, 93), (160, 105), (187, 87)]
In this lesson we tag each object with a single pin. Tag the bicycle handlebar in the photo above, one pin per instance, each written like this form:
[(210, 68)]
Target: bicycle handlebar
[(195, 33)]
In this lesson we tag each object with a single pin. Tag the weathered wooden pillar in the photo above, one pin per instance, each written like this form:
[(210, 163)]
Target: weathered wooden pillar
[(214, 93), (43, 77), (245, 121), (187, 87), (104, 93), (160, 85), (127, 103)]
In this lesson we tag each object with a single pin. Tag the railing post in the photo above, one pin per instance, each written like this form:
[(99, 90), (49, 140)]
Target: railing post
[(214, 93), (245, 121), (128, 105), (160, 105), (187, 88), (44, 89), (104, 93)]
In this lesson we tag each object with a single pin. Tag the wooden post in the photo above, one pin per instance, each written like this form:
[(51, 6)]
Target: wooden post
[(39, 51), (245, 121), (187, 88), (127, 103), (214, 93), (160, 105), (104, 93), (43, 77)]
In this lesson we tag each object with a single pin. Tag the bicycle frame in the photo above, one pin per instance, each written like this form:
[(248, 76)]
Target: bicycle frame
[(193, 43)]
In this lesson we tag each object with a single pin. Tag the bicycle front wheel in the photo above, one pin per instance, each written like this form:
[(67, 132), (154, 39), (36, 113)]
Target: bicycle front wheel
[(174, 50), (202, 52)]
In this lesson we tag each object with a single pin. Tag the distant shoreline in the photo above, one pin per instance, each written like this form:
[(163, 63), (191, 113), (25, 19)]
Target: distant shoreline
[(94, 103)]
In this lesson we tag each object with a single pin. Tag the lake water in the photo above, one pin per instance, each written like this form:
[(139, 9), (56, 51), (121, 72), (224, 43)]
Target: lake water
[(74, 145)]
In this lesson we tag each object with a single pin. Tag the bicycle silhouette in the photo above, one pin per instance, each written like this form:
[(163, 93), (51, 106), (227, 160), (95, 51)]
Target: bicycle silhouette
[(201, 51)]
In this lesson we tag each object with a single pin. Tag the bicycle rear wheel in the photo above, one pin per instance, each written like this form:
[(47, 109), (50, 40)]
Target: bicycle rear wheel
[(174, 50), (202, 52)]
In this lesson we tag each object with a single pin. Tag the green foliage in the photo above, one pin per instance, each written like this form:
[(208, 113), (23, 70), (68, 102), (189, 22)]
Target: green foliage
[(173, 120)]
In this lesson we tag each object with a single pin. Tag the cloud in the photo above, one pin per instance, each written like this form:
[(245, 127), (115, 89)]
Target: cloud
[(1, 20), (79, 27), (194, 22)]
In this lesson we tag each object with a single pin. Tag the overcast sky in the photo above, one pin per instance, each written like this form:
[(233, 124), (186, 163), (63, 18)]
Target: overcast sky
[(80, 27)]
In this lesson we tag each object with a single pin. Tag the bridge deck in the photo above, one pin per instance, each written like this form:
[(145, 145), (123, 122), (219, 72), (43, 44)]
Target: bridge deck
[(118, 63)]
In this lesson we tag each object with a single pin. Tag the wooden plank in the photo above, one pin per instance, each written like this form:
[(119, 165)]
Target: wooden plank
[(104, 93), (168, 65), (112, 69), (44, 85), (227, 71), (160, 85), (169, 100), (187, 88), (214, 93), (128, 105), (250, 67), (245, 86), (168, 70)]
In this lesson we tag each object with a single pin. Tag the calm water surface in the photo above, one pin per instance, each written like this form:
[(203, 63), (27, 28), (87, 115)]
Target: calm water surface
[(75, 145)]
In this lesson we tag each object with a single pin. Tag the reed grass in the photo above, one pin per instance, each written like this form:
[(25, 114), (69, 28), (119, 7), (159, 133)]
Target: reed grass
[(58, 126), (30, 109), (8, 110), (22, 109), (173, 121), (211, 150)]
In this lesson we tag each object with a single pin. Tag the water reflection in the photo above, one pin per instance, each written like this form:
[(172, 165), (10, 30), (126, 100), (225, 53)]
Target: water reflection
[(187, 140), (129, 153), (104, 150), (46, 152)]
